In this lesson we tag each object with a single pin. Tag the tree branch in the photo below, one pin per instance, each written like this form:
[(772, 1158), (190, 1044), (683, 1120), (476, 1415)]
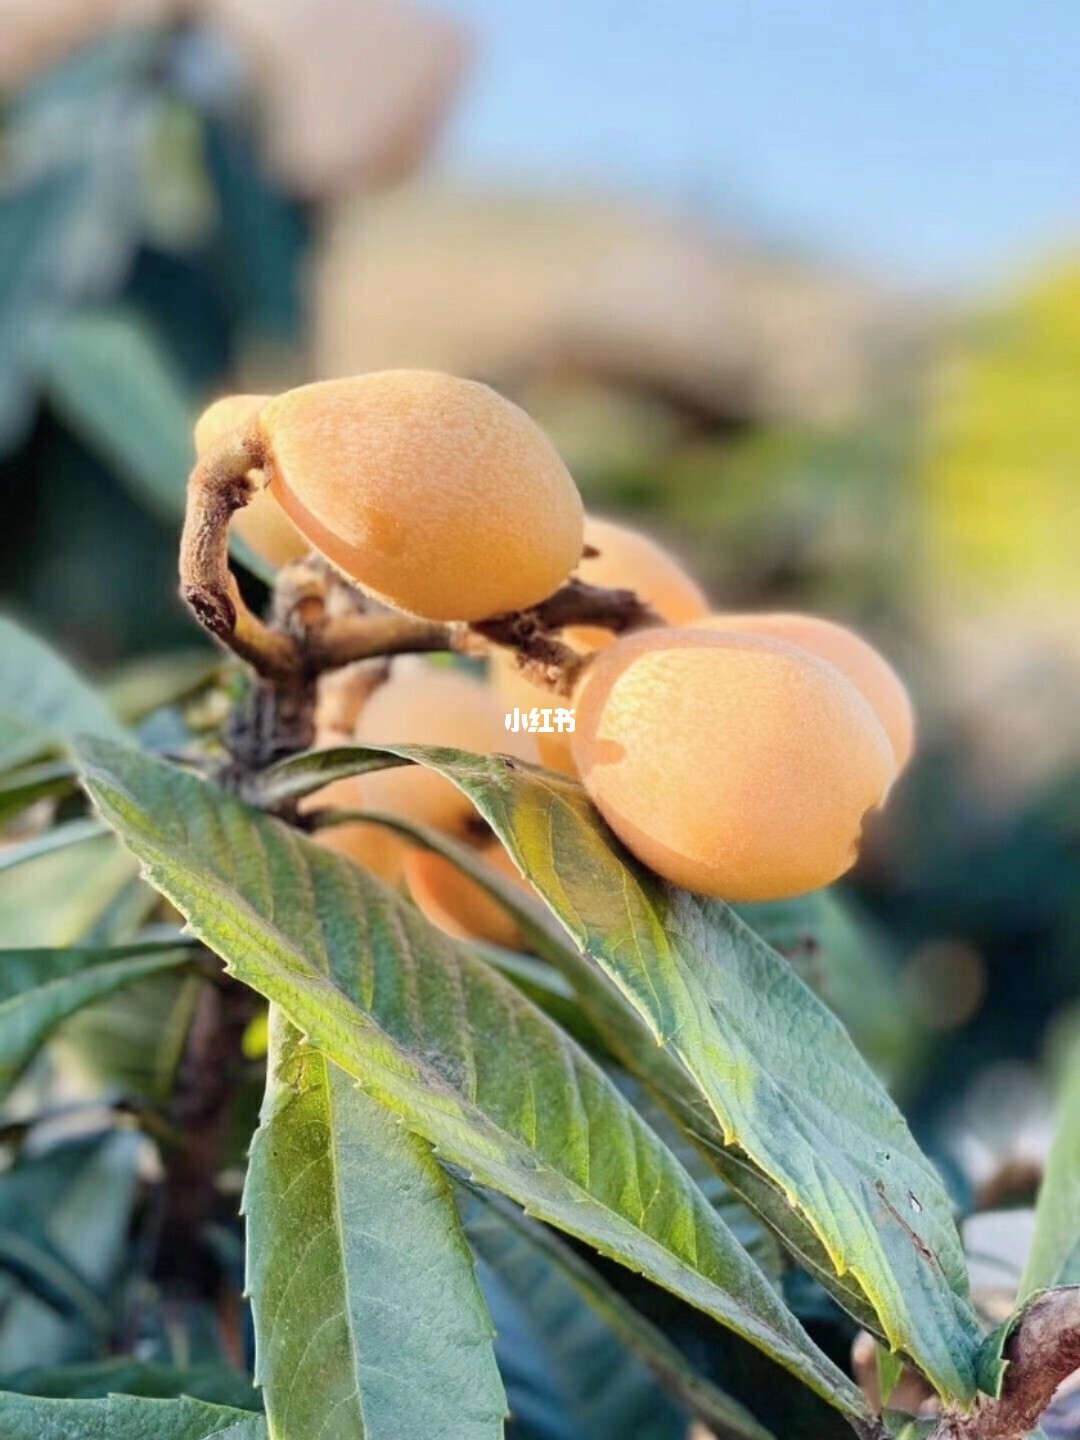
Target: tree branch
[(1042, 1351)]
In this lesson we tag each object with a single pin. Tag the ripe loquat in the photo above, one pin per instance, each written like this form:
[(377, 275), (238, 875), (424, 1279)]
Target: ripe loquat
[(457, 904), (733, 765), (433, 493), (865, 667)]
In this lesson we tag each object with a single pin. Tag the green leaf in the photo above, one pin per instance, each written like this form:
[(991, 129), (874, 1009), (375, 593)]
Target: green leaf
[(777, 1069), (436, 1034), (59, 838), (219, 1384), (890, 1371), (628, 1038), (72, 1205), (595, 1351), (355, 1247), (1055, 1248), (845, 959), (44, 702), (124, 1417), (906, 1427), (112, 381), (109, 375), (23, 787), (39, 989), (132, 1042), (55, 899)]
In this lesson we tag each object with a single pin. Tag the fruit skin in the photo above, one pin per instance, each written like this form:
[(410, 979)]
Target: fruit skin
[(627, 560), (733, 765), (374, 846), (433, 493), (513, 690), (632, 561), (457, 904), (865, 667), (261, 523), (423, 704)]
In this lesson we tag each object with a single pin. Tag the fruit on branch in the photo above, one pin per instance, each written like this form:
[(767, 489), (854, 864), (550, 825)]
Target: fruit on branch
[(733, 765), (373, 846), (628, 560), (865, 667), (433, 493), (460, 906), (261, 523), (514, 690), (424, 704)]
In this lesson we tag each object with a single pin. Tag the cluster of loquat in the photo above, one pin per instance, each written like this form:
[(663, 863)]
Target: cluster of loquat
[(736, 755)]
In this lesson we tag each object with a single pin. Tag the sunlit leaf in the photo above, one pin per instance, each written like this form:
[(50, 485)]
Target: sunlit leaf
[(437, 1035), (777, 1069)]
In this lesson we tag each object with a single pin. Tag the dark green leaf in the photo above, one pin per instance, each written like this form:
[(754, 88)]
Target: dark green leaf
[(594, 1352), (124, 1417), (41, 988), (114, 382), (74, 1203), (369, 1321), (110, 378), (778, 1070), (218, 1384), (439, 1036), (628, 1038)]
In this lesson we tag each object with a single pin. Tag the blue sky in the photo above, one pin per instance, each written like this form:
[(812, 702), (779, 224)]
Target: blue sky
[(937, 138)]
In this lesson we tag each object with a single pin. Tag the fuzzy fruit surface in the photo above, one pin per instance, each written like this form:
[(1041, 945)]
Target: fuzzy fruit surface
[(423, 704), (627, 560), (261, 523), (865, 667), (735, 766), (457, 904), (433, 493)]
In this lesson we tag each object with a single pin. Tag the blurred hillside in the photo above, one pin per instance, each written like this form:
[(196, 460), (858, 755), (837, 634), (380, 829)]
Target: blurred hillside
[(526, 288)]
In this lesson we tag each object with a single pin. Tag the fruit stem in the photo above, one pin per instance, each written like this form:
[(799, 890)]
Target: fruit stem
[(220, 484)]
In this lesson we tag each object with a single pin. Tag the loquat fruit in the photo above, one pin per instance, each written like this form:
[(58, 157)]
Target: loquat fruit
[(865, 667), (457, 904), (423, 704), (433, 493), (733, 765)]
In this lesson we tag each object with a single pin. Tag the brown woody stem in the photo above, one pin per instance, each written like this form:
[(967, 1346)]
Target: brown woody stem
[(1042, 1351), (315, 630)]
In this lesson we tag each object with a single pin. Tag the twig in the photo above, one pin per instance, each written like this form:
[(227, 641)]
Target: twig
[(317, 627), (1042, 1351)]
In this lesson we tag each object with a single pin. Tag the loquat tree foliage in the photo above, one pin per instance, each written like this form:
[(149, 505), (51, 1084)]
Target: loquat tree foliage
[(554, 1136)]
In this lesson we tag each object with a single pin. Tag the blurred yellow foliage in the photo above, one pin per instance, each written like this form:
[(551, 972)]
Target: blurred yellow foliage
[(1002, 480)]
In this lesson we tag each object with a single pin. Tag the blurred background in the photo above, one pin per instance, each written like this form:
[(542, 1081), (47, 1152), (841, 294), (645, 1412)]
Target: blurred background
[(795, 288)]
